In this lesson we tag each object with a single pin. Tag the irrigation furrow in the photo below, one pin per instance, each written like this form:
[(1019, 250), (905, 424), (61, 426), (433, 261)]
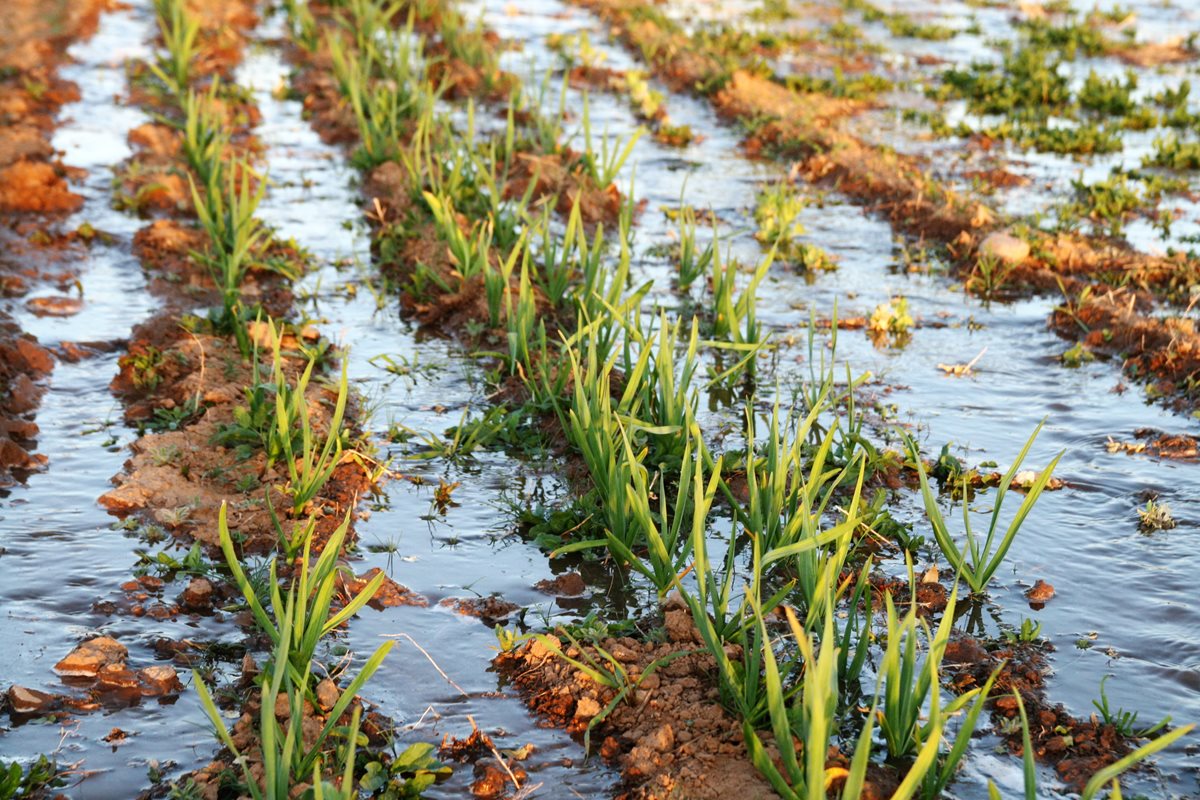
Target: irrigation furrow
[(64, 562)]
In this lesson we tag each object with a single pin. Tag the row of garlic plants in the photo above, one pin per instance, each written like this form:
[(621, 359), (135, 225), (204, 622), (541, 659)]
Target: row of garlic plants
[(298, 607), (625, 382)]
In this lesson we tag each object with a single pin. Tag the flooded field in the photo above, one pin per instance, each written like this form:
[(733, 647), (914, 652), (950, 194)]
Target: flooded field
[(599, 398)]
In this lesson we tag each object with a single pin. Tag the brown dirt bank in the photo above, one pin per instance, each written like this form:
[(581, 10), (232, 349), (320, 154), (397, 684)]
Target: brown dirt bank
[(670, 738)]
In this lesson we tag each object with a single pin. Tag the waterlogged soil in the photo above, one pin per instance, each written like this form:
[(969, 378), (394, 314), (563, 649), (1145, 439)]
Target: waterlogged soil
[(1124, 601)]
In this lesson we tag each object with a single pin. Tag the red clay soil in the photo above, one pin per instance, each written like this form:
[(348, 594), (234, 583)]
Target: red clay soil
[(672, 739), (1076, 748), (180, 477), (1161, 351), (804, 125), (673, 733), (22, 363), (391, 200), (210, 780)]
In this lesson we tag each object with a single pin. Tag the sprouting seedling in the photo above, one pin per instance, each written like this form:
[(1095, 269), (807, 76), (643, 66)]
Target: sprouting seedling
[(976, 562), (179, 31)]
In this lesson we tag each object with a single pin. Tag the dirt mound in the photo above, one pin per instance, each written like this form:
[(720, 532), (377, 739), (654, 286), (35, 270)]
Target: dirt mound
[(670, 737)]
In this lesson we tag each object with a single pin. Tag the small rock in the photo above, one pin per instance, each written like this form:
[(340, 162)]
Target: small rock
[(489, 782), (23, 394), (1004, 247), (12, 286), (388, 595), (663, 739), (262, 334), (32, 357), (113, 677), (54, 306), (86, 660), (158, 680), (249, 671), (539, 651), (219, 396), (586, 708), (965, 651), (609, 748), (680, 628), (198, 596), (30, 701), (327, 694), (116, 736), (623, 654), (569, 584), (150, 582)]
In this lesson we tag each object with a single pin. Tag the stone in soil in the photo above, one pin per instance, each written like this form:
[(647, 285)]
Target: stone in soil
[(198, 596), (491, 779), (388, 595), (1004, 247), (1040, 592), (491, 610), (54, 306), (675, 741), (116, 677), (327, 694)]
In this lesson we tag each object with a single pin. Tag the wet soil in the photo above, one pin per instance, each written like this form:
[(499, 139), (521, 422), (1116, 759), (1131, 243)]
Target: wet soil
[(669, 736)]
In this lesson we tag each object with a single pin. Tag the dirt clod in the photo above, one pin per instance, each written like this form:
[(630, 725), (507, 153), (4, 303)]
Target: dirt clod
[(24, 701), (89, 658)]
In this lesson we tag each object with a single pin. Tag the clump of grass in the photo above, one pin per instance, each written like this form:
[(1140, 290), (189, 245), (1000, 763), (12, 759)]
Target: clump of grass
[(205, 140), (604, 163), (692, 261), (296, 622), (310, 462), (977, 562), (891, 318), (226, 213), (277, 418), (180, 32), (1172, 153), (383, 83), (734, 315), (468, 251), (1155, 516)]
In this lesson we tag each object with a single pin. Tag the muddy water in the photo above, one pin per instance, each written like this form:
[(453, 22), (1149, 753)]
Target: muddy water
[(1129, 596)]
